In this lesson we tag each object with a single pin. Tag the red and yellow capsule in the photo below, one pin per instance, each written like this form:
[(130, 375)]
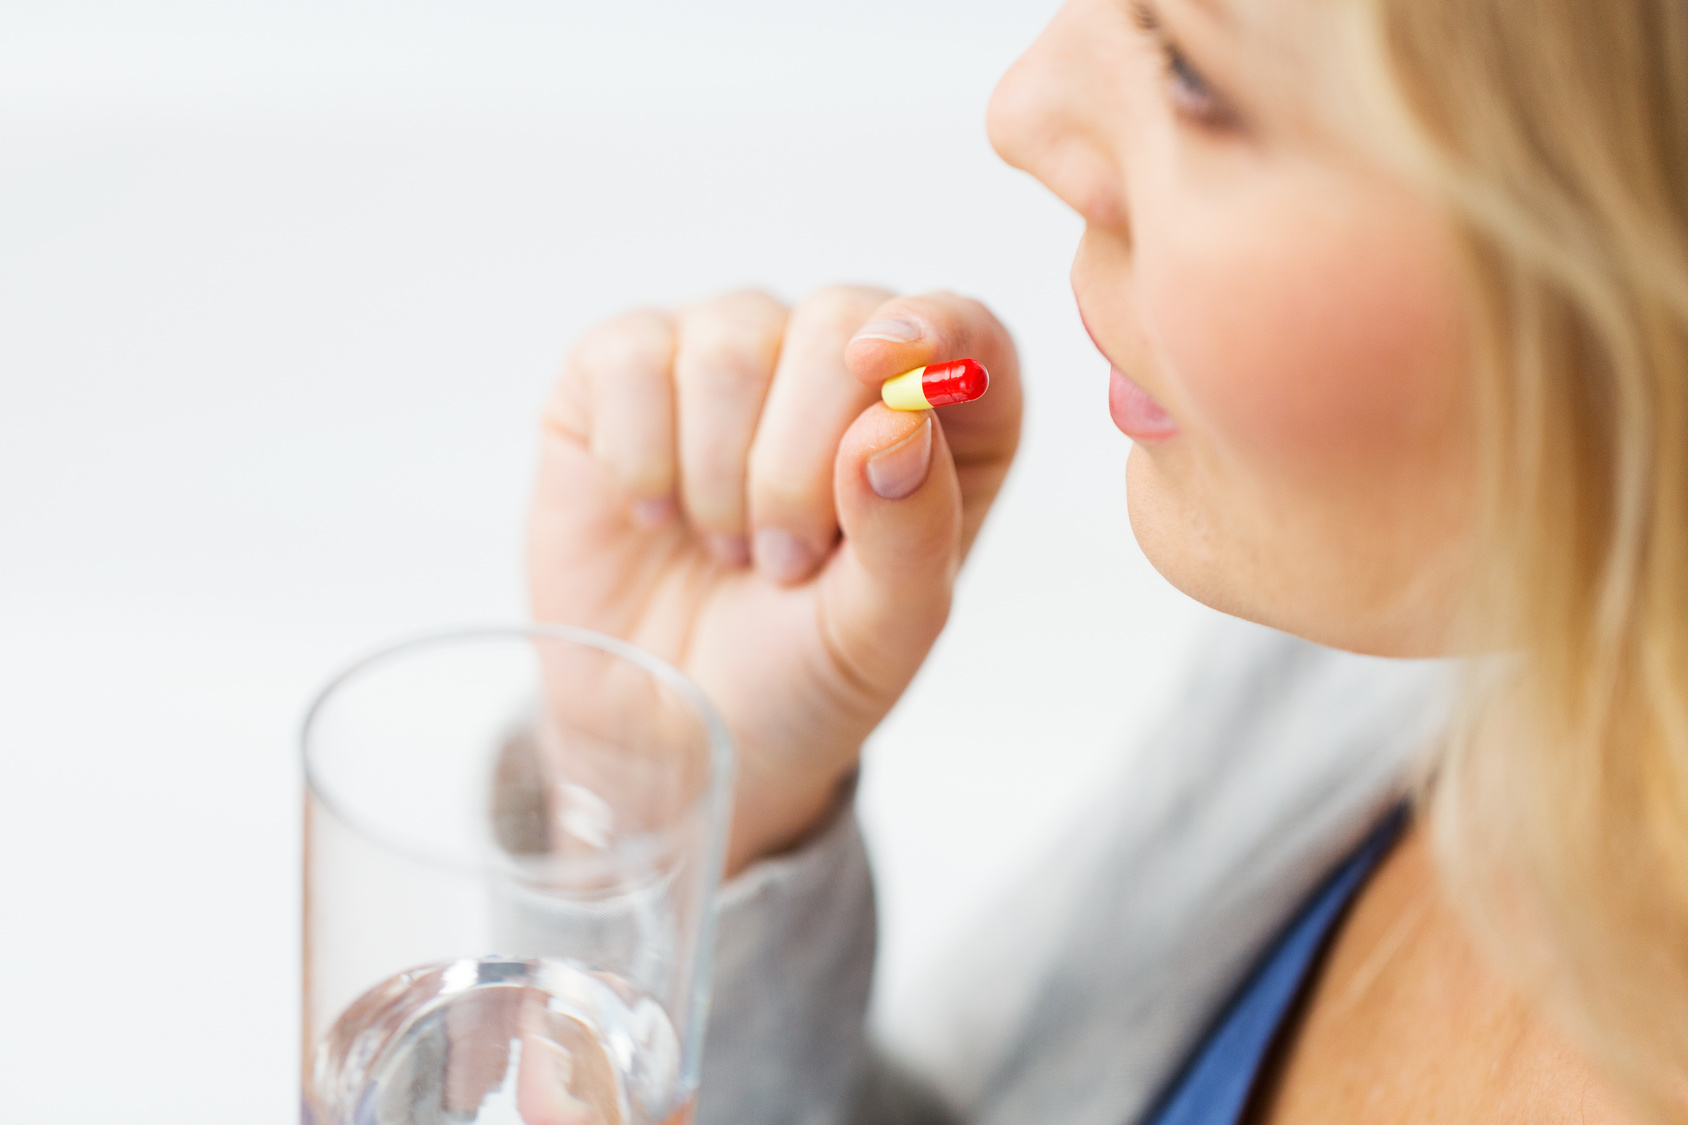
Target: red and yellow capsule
[(942, 384)]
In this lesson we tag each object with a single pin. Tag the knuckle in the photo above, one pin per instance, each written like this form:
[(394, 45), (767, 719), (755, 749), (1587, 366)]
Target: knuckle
[(645, 478), (840, 309), (788, 459), (749, 312), (712, 509), (981, 315), (974, 310), (966, 321), (717, 466), (780, 492), (948, 311), (751, 304), (639, 340), (728, 350)]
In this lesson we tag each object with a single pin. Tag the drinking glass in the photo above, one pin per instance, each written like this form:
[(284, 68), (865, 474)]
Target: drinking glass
[(513, 839)]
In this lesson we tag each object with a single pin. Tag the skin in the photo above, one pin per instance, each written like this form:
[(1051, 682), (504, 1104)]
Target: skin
[(1295, 312), (1288, 337), (706, 490), (1407, 1023)]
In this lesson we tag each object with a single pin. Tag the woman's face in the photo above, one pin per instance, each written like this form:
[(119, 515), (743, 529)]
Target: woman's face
[(1283, 318)]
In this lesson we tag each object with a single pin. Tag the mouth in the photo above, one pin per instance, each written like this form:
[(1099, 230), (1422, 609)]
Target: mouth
[(1138, 416), (1134, 411)]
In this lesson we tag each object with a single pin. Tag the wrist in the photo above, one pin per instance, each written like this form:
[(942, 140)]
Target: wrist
[(772, 817)]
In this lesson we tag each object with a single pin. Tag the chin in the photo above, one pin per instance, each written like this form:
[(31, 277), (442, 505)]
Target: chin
[(1176, 540), (1211, 562)]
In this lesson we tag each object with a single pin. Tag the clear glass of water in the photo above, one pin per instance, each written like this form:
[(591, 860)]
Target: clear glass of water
[(512, 845)]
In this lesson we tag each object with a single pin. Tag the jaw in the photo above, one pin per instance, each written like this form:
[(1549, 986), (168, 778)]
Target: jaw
[(1328, 576)]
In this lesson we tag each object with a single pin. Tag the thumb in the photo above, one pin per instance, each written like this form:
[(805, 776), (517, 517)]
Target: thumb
[(886, 594)]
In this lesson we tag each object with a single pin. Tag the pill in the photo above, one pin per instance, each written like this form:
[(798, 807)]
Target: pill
[(941, 384)]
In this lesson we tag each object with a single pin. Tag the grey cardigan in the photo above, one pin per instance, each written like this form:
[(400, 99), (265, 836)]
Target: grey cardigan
[(1276, 758)]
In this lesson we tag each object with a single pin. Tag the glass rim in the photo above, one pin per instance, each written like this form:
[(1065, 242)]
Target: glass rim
[(722, 763)]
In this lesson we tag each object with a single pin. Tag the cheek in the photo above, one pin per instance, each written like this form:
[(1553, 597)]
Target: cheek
[(1318, 345)]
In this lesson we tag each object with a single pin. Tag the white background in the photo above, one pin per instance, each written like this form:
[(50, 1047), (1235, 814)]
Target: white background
[(282, 285)]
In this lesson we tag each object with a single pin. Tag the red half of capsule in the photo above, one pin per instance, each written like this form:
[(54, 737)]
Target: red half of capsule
[(945, 384)]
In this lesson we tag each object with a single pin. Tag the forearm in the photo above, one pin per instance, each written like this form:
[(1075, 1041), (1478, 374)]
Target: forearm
[(793, 967)]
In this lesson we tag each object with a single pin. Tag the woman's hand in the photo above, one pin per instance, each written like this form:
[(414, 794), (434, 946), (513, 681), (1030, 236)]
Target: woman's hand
[(721, 486)]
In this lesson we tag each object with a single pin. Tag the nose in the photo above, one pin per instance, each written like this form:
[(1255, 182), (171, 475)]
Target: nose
[(1049, 116)]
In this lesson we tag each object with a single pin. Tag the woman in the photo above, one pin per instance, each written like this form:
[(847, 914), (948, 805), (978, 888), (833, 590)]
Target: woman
[(1395, 294)]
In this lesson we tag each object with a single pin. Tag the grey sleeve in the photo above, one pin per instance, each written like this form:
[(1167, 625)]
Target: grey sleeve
[(793, 965), (890, 1093), (1276, 761)]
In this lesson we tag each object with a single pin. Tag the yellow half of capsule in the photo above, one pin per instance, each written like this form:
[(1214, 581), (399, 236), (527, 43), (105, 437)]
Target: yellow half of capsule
[(904, 392)]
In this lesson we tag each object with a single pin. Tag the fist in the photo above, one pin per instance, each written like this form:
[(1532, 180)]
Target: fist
[(720, 485)]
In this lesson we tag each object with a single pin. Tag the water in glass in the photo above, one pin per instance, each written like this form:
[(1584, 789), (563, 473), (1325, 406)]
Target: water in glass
[(501, 1042)]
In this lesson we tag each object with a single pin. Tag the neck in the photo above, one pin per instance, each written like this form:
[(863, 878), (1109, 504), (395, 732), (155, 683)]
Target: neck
[(1406, 1021)]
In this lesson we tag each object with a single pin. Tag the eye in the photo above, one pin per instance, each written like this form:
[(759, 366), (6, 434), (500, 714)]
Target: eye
[(1190, 93), (1192, 96)]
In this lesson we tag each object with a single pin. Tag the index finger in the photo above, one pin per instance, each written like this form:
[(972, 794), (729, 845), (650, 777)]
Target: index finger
[(909, 332)]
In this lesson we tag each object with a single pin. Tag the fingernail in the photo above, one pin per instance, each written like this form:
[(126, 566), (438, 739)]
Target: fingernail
[(654, 513), (734, 550), (895, 329), (895, 472), (783, 556)]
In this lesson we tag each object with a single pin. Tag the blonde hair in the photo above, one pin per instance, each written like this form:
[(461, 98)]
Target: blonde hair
[(1557, 133)]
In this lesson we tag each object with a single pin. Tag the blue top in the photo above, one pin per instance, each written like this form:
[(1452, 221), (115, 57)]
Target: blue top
[(1214, 1086)]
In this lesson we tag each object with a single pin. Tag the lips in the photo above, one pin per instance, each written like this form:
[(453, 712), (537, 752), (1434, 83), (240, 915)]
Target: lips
[(1138, 416)]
